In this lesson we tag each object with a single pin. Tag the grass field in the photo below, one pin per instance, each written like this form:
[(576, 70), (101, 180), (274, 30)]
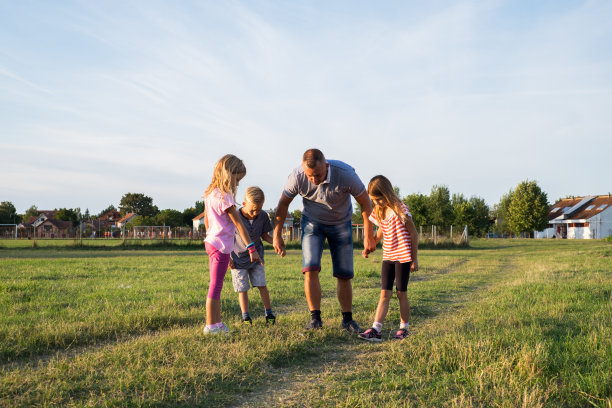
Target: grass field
[(508, 323)]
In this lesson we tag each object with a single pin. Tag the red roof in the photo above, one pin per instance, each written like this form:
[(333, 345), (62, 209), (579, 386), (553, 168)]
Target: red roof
[(126, 217), (199, 217), (111, 214), (589, 208)]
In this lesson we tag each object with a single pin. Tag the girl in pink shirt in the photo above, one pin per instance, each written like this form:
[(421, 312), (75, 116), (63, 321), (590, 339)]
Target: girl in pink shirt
[(222, 220)]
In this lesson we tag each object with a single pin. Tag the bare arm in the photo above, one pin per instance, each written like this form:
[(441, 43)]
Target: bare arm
[(244, 234), (281, 213), (369, 244), (414, 240), (267, 237)]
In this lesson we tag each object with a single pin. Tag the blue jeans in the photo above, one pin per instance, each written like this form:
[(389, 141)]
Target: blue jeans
[(340, 239)]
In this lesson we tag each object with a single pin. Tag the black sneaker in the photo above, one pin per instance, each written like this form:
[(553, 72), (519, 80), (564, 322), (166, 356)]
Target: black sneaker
[(351, 326), (401, 334), (314, 324), (270, 319), (371, 335), (247, 321)]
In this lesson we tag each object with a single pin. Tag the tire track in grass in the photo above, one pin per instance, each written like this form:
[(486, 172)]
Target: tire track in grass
[(287, 386)]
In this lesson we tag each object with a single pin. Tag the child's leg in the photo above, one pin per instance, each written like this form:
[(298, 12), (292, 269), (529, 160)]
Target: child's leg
[(218, 263), (258, 280), (265, 296), (404, 306), (240, 280), (387, 277), (402, 276), (243, 299), (383, 306)]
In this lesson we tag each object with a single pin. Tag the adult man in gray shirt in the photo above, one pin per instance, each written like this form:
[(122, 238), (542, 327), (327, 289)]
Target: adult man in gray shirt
[(326, 187)]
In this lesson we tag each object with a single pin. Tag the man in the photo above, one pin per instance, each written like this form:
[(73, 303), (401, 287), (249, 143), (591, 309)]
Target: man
[(326, 187)]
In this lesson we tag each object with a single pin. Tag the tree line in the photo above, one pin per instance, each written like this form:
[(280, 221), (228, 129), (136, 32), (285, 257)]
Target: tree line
[(521, 211)]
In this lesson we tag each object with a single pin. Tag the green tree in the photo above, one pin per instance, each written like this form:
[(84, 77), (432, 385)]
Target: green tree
[(68, 214), (169, 217), (30, 212), (357, 217), (419, 208), (137, 203), (528, 210), (8, 213), (482, 219), (188, 215), (297, 217), (199, 207), (107, 210), (500, 213), (463, 212), (440, 208)]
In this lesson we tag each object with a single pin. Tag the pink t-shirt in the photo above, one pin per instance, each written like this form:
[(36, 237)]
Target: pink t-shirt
[(221, 229)]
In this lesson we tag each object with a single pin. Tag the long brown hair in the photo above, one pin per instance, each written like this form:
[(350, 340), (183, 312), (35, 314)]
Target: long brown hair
[(380, 187), (227, 166)]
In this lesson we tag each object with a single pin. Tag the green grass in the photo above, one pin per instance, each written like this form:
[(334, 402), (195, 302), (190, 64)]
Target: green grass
[(503, 323)]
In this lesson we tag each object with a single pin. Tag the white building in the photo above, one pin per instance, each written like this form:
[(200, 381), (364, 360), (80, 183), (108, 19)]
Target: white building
[(579, 218), (197, 221)]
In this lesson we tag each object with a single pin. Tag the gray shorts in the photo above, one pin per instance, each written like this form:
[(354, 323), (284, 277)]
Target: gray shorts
[(241, 277)]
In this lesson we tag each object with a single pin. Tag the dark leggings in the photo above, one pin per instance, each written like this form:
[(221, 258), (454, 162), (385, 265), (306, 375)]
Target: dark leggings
[(395, 271)]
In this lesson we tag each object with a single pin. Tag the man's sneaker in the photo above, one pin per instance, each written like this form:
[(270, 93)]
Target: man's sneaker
[(314, 324), (401, 334), (270, 319), (247, 321), (370, 335), (351, 326)]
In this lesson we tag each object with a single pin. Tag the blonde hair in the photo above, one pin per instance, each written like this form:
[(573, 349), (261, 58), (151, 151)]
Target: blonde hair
[(380, 187), (254, 195), (225, 168)]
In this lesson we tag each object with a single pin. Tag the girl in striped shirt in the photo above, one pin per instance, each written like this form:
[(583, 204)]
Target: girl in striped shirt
[(400, 246)]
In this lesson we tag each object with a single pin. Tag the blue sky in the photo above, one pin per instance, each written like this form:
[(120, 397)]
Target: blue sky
[(98, 99)]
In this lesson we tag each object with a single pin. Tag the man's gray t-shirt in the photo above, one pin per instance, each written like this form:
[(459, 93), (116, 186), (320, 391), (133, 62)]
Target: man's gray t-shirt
[(329, 202), (240, 255)]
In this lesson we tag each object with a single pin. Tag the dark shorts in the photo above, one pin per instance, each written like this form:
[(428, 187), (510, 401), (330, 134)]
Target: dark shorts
[(340, 239), (395, 272)]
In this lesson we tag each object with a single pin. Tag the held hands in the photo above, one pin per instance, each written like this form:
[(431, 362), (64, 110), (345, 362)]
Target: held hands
[(279, 246), (369, 246)]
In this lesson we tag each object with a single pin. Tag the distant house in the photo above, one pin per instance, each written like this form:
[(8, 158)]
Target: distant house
[(587, 217), (198, 221), (52, 228), (112, 215), (43, 216), (125, 219)]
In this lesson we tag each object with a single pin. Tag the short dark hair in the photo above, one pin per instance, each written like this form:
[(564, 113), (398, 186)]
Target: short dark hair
[(312, 157)]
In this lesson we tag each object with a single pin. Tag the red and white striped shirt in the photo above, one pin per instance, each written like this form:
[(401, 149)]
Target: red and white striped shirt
[(397, 244)]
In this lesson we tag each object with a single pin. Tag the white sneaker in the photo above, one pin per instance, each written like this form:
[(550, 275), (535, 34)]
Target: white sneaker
[(216, 329)]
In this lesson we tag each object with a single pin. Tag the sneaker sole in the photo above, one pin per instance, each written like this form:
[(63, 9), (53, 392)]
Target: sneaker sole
[(372, 339)]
